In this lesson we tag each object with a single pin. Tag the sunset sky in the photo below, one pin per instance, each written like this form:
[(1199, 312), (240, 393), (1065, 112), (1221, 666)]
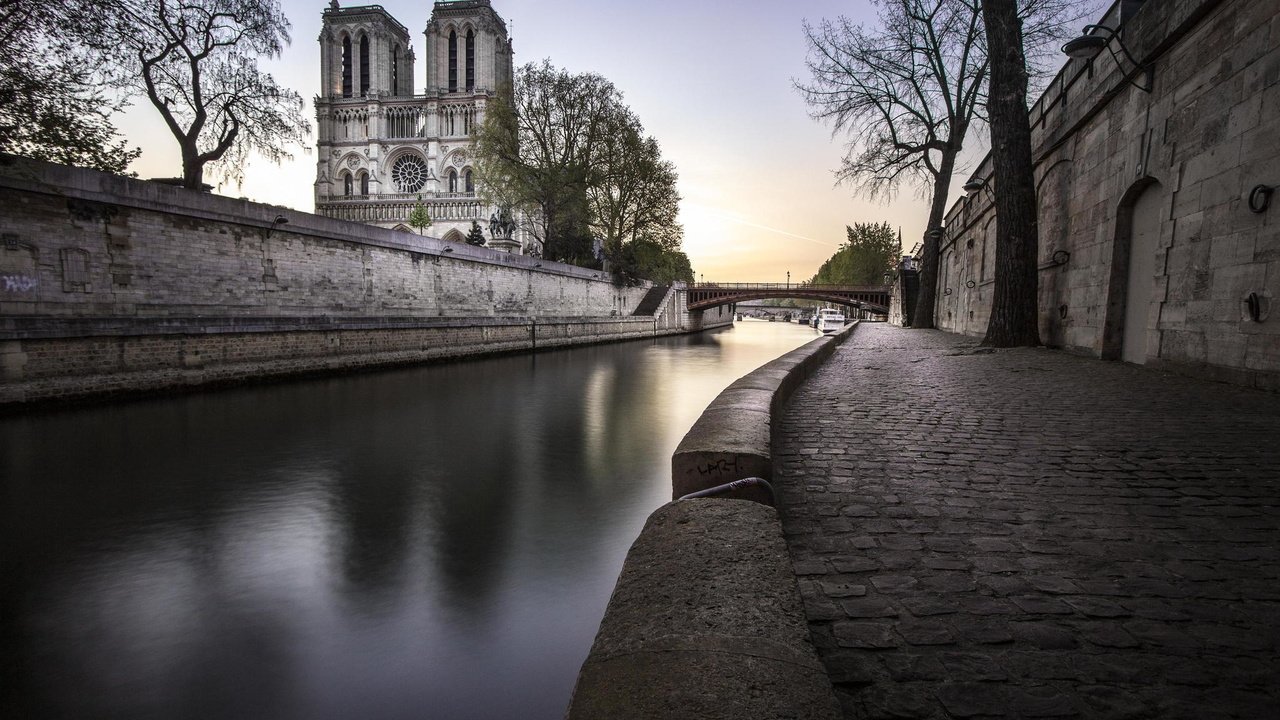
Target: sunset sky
[(710, 79)]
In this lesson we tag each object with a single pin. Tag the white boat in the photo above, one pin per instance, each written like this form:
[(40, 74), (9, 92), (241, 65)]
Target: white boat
[(830, 320)]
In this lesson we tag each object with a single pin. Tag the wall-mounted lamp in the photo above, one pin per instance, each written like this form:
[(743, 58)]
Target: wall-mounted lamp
[(277, 222), (975, 184), (447, 249), (1088, 45), (1260, 198)]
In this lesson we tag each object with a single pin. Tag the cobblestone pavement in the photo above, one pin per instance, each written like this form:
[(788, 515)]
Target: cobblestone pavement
[(1027, 533)]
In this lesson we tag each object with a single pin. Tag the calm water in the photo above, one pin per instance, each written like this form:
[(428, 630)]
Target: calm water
[(438, 542)]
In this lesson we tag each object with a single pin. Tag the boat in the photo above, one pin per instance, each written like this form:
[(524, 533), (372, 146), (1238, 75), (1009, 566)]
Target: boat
[(829, 320)]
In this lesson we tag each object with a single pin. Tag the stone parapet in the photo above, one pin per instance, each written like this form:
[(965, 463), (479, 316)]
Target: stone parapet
[(731, 439), (705, 623)]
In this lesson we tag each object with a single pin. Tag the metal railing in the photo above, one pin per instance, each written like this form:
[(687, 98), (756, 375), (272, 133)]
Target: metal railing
[(734, 486), (781, 286)]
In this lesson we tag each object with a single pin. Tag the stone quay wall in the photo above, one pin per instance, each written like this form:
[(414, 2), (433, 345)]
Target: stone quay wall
[(1180, 161), (112, 285)]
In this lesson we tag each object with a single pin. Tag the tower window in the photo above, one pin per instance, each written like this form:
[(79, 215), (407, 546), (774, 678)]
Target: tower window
[(364, 183), (395, 70), (453, 181), (346, 66), (469, 184), (453, 61), (364, 65), (471, 60), (346, 184)]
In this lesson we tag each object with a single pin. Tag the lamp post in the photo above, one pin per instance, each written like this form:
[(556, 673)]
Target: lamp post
[(788, 279)]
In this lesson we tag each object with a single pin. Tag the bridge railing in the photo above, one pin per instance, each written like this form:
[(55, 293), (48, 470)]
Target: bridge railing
[(780, 286)]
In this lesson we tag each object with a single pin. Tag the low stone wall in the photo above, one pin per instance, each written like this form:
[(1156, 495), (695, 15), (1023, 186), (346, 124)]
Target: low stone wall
[(706, 620), (731, 439)]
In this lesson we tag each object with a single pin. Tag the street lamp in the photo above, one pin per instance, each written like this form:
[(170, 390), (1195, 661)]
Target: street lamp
[(1088, 45), (788, 279)]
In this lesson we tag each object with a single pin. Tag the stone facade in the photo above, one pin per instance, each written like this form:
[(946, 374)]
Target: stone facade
[(1148, 249), (381, 147), (109, 284)]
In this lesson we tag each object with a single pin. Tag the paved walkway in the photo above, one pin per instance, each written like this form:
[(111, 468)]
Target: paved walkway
[(1026, 533)]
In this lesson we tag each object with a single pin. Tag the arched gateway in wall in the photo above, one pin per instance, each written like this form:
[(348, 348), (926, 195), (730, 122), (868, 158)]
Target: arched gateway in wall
[(1132, 310)]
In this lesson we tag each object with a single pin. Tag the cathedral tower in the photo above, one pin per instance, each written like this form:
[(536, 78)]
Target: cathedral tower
[(382, 148)]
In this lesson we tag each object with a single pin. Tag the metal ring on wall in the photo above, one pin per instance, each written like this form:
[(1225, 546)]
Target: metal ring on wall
[(1260, 198)]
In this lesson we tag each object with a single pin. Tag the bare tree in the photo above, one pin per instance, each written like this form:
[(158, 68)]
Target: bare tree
[(1013, 310), (908, 93), (196, 61)]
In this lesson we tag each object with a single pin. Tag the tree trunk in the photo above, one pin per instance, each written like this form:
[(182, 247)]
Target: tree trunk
[(923, 317), (1014, 318), (192, 168)]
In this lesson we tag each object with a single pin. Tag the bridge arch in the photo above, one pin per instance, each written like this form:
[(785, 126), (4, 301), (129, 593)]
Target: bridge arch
[(702, 296)]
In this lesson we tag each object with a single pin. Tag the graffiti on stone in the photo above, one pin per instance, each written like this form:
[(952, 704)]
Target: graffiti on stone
[(718, 467), (18, 283)]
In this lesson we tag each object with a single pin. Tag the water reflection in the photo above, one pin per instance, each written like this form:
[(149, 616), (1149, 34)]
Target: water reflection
[(434, 542)]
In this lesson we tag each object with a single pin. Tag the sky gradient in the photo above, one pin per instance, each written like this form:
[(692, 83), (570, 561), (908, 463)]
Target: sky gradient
[(712, 80)]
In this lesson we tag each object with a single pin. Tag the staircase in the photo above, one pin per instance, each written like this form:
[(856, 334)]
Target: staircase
[(652, 300)]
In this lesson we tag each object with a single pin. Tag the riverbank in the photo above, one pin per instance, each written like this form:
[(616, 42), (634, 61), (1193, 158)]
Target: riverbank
[(116, 286), (131, 357)]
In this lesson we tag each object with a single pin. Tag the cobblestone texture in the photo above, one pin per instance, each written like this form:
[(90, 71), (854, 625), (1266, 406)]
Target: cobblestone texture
[(1027, 533)]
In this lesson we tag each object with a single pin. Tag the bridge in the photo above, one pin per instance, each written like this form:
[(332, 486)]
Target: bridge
[(874, 298)]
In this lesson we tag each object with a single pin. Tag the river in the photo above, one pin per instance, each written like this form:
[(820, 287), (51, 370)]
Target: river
[(433, 542)]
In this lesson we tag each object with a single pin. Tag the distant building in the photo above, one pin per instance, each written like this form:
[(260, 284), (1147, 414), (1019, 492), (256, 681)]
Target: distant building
[(381, 146)]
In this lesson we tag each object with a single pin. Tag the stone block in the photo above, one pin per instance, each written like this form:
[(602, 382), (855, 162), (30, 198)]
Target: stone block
[(706, 622)]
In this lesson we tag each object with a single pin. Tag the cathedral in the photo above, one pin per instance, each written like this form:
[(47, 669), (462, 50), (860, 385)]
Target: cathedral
[(382, 147)]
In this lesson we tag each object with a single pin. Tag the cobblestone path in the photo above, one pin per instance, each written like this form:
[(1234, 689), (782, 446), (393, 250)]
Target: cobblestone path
[(1026, 533)]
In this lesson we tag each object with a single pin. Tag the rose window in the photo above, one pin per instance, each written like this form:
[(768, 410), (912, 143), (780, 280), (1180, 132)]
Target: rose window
[(409, 174)]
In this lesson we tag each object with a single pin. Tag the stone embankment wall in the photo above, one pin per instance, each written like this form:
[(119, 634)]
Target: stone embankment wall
[(1115, 163), (705, 621), (113, 285)]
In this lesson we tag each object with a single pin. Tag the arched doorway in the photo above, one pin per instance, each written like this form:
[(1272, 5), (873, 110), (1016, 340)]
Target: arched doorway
[(1130, 313)]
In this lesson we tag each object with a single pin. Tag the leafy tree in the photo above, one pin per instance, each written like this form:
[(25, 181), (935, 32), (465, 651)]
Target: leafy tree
[(419, 218), (646, 259), (536, 147), (908, 93), (1013, 319), (476, 235), (632, 190), (196, 61), (869, 251), (53, 105)]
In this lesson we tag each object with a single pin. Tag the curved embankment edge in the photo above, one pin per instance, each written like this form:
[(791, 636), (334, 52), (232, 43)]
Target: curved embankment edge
[(706, 619)]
